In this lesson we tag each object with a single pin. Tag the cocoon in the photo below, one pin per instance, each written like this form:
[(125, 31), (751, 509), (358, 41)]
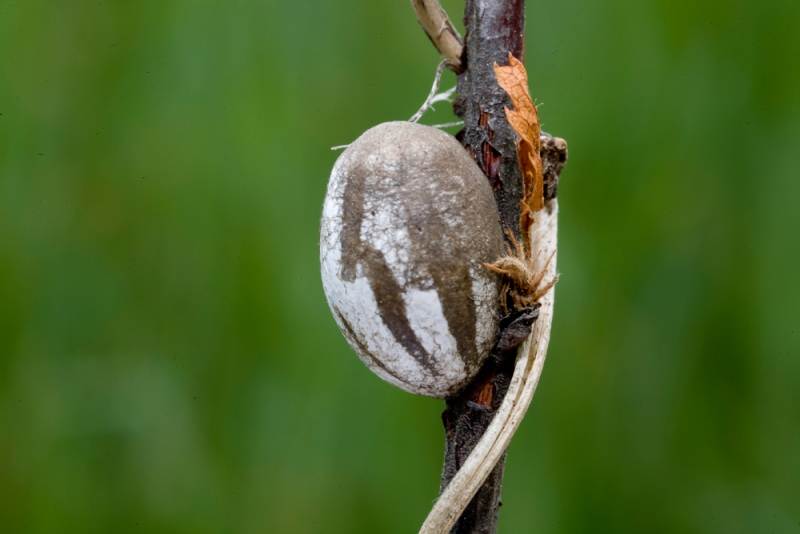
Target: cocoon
[(408, 221)]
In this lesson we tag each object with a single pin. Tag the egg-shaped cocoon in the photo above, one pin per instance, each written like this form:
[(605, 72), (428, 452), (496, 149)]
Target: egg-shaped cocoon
[(408, 221)]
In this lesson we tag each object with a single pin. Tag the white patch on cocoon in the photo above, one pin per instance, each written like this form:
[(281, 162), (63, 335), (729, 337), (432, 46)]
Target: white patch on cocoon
[(331, 253), (355, 300), (383, 229), (357, 304), (426, 317), (484, 293), (447, 200)]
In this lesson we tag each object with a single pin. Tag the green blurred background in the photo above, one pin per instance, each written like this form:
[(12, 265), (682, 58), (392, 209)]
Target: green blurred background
[(167, 359)]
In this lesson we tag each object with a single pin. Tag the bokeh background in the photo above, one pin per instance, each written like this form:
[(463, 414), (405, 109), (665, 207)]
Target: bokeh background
[(167, 359)]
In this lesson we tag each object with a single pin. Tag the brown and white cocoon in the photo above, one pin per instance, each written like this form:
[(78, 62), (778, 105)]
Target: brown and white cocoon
[(408, 221)]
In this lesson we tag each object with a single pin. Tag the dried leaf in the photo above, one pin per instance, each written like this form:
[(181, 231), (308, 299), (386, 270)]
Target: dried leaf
[(524, 119)]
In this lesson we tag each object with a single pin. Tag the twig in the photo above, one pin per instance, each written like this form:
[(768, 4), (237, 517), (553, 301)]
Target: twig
[(441, 32), (448, 124), (481, 420), (433, 96), (494, 28)]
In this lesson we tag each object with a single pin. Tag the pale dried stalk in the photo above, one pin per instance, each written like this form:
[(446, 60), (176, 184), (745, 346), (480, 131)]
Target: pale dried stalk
[(528, 368), (434, 96), (441, 31)]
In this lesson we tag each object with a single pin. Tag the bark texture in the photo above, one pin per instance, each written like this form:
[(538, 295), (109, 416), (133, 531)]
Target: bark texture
[(494, 28)]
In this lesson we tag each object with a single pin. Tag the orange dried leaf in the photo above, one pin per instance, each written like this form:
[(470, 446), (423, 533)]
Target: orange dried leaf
[(524, 119)]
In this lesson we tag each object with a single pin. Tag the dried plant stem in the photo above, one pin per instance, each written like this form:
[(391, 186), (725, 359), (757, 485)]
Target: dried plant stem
[(482, 419), (493, 29), (441, 31)]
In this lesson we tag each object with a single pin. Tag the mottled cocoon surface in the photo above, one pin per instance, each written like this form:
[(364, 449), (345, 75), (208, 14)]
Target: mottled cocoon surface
[(408, 221)]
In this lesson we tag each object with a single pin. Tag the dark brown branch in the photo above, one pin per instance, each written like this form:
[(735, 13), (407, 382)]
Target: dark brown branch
[(493, 29)]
